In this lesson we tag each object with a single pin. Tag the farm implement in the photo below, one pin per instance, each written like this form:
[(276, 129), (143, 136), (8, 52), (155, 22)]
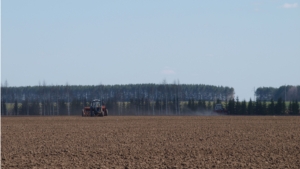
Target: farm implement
[(97, 108)]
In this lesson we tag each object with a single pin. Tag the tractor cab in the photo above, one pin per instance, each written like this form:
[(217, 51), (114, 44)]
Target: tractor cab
[(95, 108), (96, 104), (220, 109)]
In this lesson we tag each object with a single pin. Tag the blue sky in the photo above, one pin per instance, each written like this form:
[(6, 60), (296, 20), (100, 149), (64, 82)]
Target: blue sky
[(241, 44)]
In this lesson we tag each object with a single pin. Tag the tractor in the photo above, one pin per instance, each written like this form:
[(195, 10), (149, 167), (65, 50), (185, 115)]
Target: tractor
[(97, 108), (220, 109)]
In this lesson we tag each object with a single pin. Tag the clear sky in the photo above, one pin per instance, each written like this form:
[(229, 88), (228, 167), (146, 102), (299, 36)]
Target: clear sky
[(241, 44)]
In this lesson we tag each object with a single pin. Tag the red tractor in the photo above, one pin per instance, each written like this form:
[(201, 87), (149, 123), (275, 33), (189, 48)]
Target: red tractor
[(97, 108), (220, 109)]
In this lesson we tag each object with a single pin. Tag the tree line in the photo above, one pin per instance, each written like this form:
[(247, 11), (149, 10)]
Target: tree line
[(64, 100), (237, 107), (117, 92), (262, 107), (138, 99), (286, 92), (144, 106)]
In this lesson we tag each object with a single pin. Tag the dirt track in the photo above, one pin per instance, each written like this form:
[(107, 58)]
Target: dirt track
[(150, 142)]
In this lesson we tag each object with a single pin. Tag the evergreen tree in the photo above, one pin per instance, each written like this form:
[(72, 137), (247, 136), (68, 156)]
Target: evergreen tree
[(62, 107), (250, 109), (157, 106), (193, 106), (237, 106), (204, 105), (164, 106), (199, 105), (243, 107), (258, 108), (264, 108), (148, 106), (45, 108), (290, 108), (283, 108), (43, 104), (16, 108), (3, 107), (279, 107), (34, 108), (142, 106), (231, 107), (178, 105), (295, 108), (271, 108), (189, 105), (172, 105), (124, 108), (226, 104)]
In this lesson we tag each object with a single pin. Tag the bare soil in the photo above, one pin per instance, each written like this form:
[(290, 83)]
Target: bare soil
[(150, 142)]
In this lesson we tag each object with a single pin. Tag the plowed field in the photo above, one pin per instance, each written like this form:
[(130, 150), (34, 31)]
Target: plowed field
[(150, 142)]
